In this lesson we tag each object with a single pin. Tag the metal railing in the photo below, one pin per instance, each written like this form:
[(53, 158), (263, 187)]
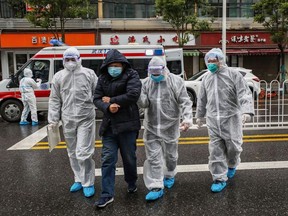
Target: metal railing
[(271, 107)]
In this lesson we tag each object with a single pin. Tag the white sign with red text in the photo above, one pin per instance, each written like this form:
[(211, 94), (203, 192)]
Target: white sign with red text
[(165, 39)]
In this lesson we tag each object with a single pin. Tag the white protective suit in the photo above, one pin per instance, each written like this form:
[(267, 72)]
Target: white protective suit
[(71, 100), (26, 87), (224, 97), (164, 103)]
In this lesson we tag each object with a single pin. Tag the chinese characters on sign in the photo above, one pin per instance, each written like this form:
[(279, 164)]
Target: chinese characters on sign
[(246, 39), (146, 39), (165, 39), (114, 40), (42, 39)]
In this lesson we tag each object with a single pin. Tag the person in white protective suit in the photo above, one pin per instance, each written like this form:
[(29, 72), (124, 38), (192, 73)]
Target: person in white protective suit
[(165, 101), (71, 101), (26, 87), (227, 102)]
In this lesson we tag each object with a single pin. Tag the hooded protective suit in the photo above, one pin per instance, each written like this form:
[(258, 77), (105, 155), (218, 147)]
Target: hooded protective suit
[(27, 86), (71, 100), (223, 97), (165, 102)]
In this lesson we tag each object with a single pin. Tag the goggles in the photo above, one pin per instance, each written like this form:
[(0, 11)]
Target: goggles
[(211, 56), (156, 70), (73, 58)]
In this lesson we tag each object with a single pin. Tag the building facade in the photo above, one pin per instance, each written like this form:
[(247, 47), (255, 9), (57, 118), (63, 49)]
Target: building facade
[(135, 21)]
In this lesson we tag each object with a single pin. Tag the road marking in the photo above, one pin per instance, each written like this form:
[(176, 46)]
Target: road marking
[(204, 167), (31, 140), (184, 141)]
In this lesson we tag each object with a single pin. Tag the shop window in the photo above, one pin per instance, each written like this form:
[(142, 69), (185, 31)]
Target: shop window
[(11, 63)]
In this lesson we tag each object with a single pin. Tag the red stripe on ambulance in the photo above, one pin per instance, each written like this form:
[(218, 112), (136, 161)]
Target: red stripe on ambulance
[(99, 55), (17, 94)]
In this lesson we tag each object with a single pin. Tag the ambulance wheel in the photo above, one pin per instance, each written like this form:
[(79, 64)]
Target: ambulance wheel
[(11, 110)]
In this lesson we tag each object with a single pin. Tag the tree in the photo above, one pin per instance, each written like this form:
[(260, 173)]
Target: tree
[(183, 15), (273, 15), (17, 7), (50, 14)]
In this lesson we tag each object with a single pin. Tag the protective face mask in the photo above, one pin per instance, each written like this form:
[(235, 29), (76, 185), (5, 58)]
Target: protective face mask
[(212, 67), (70, 66), (157, 79), (114, 71)]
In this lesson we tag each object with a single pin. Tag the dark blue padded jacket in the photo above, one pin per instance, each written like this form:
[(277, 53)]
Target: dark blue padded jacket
[(123, 90)]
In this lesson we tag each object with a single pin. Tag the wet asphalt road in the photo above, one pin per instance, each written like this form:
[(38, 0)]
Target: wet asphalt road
[(36, 182)]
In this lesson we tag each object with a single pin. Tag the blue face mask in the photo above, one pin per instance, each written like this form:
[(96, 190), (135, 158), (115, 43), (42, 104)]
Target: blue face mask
[(157, 79), (212, 67), (114, 71)]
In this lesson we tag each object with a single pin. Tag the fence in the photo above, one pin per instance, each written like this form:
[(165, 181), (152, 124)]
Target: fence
[(271, 107)]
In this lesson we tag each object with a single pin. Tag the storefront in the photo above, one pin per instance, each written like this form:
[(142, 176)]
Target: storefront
[(253, 50), (18, 47)]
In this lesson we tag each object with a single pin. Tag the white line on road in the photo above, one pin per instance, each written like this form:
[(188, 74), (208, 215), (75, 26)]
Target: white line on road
[(204, 167), (31, 140)]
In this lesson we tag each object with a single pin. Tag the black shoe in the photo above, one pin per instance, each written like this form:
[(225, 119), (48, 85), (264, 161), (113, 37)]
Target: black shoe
[(132, 189), (103, 201)]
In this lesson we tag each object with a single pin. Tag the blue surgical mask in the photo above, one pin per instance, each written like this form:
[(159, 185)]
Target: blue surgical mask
[(212, 67), (157, 79), (114, 71)]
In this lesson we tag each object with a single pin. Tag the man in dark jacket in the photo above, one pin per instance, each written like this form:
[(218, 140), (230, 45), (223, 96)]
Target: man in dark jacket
[(116, 94)]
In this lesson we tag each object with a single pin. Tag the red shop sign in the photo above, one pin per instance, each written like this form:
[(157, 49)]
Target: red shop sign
[(237, 39)]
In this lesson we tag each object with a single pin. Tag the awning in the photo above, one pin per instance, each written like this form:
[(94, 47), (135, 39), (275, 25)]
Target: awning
[(230, 51), (249, 51), (265, 51), (191, 53)]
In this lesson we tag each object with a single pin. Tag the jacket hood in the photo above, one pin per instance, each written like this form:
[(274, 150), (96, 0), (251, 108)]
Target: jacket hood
[(111, 57)]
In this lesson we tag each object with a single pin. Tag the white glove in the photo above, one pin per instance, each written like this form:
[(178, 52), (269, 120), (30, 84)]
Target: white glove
[(53, 126), (184, 127), (246, 118), (199, 122), (39, 80)]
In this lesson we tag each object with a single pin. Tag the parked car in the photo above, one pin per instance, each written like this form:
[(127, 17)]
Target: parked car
[(193, 83)]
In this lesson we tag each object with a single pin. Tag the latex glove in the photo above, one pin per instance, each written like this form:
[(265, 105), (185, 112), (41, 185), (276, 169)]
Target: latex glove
[(53, 126), (184, 127), (199, 122), (246, 118), (38, 82)]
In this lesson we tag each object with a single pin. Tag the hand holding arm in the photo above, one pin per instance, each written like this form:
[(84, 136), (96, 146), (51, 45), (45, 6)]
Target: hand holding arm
[(113, 108)]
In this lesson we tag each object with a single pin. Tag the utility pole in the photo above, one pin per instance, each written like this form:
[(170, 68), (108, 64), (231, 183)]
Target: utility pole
[(224, 29)]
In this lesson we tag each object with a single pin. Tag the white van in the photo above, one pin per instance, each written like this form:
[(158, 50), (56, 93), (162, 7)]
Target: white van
[(49, 61)]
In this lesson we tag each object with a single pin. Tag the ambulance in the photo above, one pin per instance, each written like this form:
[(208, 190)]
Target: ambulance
[(49, 61)]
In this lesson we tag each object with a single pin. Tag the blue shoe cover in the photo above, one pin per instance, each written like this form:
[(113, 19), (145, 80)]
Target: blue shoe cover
[(169, 182), (76, 187), (218, 186), (154, 195), (24, 123), (89, 191), (231, 172), (34, 123)]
